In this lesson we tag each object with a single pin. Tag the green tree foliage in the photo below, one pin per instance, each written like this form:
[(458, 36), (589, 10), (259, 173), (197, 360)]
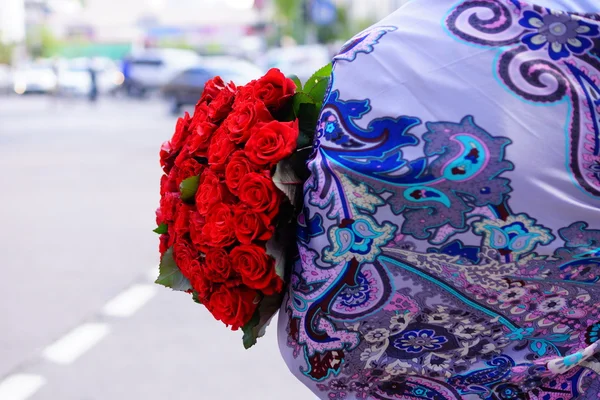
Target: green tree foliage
[(293, 20), (288, 16), (340, 30), (41, 42), (288, 9), (6, 51)]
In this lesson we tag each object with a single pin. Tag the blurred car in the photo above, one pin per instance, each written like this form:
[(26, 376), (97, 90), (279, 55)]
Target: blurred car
[(35, 78), (6, 79), (186, 88), (74, 79), (301, 61), (154, 68), (74, 76), (110, 77)]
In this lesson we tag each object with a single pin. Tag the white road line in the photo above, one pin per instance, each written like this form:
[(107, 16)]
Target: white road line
[(20, 386), (131, 300), (71, 346)]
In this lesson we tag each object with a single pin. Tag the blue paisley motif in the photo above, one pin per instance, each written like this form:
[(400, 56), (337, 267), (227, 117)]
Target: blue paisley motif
[(419, 276), (462, 161), (364, 42)]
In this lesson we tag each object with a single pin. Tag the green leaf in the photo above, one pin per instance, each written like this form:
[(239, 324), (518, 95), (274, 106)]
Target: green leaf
[(162, 229), (301, 98), (250, 337), (298, 162), (286, 180), (188, 188), (277, 251), (304, 140), (257, 326), (286, 112), (195, 297), (297, 81), (323, 73), (170, 275), (308, 114), (318, 91)]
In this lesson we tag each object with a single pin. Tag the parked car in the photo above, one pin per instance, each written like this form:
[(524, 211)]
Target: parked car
[(186, 88), (154, 68), (301, 61), (74, 76), (6, 79), (35, 78)]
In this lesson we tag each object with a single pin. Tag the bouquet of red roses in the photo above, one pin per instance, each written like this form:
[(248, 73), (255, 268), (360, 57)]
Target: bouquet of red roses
[(229, 195)]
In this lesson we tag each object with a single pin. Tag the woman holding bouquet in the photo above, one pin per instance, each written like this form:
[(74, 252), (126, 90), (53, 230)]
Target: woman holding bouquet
[(449, 246)]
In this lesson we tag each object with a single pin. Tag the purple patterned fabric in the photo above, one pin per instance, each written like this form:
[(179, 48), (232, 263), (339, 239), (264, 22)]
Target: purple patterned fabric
[(450, 241)]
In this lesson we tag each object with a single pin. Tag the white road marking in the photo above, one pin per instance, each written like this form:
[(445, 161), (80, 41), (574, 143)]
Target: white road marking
[(71, 346), (129, 301), (20, 386)]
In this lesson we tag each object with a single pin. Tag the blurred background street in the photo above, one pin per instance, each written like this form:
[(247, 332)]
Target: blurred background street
[(89, 89), (79, 194)]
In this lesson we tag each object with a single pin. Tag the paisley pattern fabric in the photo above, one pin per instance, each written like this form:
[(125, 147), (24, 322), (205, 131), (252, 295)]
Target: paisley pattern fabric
[(450, 241)]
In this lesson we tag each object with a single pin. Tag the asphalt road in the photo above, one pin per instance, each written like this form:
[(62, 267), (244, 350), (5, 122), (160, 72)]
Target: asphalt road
[(79, 316)]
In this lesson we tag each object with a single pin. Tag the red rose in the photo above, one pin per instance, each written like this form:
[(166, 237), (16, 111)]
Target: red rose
[(180, 225), (259, 193), (182, 157), (274, 89), (212, 88), (221, 105), (218, 266), (210, 191), (181, 132), (200, 138), (237, 167), (170, 150), (168, 183), (188, 168), (186, 257), (256, 268), (200, 112), (272, 142), (164, 243), (168, 207), (167, 157), (245, 93), (250, 226), (246, 114), (219, 229), (219, 151), (172, 183), (182, 220), (196, 224), (202, 286), (233, 306)]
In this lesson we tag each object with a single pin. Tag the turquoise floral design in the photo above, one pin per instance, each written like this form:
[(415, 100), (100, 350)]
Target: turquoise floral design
[(518, 234), (593, 333), (573, 359), (562, 33), (332, 130), (520, 334)]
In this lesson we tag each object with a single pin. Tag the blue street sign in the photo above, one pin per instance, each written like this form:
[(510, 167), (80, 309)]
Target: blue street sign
[(323, 12)]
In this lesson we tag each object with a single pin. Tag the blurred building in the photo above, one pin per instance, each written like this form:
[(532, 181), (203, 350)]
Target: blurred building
[(12, 21), (143, 21), (372, 9)]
